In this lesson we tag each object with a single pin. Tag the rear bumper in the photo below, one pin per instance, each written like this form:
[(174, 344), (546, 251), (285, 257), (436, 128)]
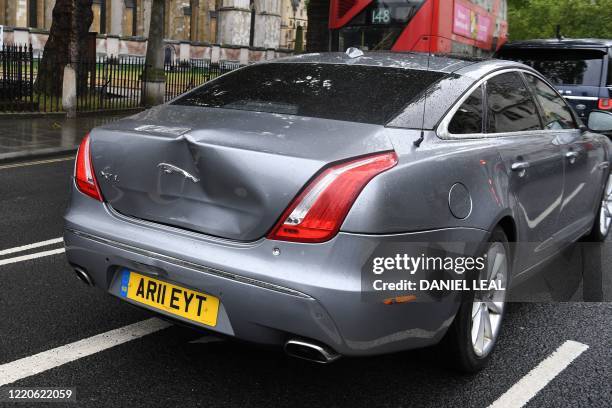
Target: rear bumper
[(308, 291)]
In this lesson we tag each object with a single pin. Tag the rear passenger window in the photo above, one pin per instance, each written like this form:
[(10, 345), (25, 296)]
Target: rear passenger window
[(557, 114), (468, 119), (510, 106)]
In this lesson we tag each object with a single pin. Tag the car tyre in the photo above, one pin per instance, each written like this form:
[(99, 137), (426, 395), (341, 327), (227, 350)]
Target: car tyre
[(603, 217), (471, 338)]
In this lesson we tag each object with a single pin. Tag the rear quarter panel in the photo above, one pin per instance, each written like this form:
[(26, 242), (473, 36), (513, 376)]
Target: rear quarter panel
[(414, 195)]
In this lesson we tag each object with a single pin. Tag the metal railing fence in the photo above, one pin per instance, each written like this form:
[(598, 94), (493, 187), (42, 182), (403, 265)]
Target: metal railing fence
[(104, 83)]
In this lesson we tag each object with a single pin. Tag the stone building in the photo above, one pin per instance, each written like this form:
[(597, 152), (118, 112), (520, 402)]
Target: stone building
[(122, 25), (124, 18), (293, 24)]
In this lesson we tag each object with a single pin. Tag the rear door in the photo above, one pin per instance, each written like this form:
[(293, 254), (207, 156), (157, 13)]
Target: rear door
[(582, 153), (535, 162)]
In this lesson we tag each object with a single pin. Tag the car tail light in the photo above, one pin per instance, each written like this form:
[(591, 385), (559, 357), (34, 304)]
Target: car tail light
[(318, 212), (605, 104), (84, 172)]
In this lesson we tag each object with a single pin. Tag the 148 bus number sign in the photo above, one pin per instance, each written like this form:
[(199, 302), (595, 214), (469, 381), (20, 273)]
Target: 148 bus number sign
[(381, 16)]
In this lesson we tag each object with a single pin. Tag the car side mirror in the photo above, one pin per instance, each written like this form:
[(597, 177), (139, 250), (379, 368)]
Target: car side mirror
[(600, 121)]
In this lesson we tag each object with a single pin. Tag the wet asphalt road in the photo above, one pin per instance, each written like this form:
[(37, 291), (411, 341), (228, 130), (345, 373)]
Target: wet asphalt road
[(43, 306)]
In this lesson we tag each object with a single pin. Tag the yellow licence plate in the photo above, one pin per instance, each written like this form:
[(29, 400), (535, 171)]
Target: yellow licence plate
[(189, 304)]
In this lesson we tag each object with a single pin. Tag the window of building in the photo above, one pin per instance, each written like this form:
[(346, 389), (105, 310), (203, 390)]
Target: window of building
[(33, 13), (99, 16), (129, 22), (252, 33)]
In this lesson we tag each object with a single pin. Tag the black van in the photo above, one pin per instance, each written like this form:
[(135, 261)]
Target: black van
[(581, 69)]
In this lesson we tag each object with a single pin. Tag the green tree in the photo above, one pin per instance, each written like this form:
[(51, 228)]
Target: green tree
[(578, 18)]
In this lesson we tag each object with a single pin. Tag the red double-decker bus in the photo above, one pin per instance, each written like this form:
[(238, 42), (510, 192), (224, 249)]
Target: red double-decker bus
[(474, 27)]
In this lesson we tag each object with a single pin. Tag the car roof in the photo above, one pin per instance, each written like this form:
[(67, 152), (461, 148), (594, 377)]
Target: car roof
[(444, 63), (389, 59), (565, 43)]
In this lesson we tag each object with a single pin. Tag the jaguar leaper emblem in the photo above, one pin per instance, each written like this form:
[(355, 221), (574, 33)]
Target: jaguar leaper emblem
[(171, 168)]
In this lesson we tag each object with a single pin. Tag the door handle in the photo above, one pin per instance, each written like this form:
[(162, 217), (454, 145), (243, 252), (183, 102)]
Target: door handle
[(571, 156), (520, 167)]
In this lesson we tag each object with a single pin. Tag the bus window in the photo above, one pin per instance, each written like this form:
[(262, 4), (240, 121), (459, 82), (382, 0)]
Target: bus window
[(472, 27), (378, 25)]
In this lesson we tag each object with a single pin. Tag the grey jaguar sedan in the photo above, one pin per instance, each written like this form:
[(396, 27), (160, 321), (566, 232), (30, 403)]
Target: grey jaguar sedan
[(254, 205)]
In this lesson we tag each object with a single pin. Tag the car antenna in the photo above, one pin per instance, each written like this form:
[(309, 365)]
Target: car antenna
[(417, 143)]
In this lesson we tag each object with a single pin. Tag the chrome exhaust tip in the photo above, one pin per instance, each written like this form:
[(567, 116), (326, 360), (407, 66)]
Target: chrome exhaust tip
[(83, 276), (310, 351)]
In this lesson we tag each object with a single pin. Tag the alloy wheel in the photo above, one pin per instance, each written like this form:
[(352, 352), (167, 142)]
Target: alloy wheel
[(488, 306), (605, 213)]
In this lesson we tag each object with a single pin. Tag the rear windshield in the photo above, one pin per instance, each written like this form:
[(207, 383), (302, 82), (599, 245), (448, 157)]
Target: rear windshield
[(353, 93), (609, 81), (562, 67)]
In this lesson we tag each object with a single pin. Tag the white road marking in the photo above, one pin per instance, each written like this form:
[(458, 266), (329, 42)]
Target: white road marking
[(528, 386), (34, 163), (30, 246), (38, 363), (31, 256)]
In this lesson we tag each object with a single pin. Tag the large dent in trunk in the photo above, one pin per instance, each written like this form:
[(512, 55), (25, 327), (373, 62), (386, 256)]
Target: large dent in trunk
[(248, 165)]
